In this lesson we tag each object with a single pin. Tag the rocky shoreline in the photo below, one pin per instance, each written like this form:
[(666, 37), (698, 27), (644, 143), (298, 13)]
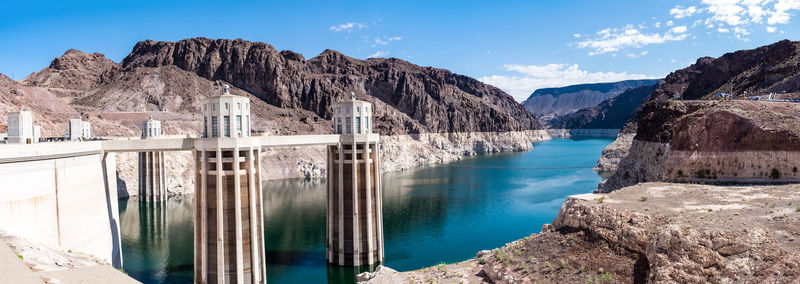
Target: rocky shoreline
[(614, 152), (650, 232), (398, 152)]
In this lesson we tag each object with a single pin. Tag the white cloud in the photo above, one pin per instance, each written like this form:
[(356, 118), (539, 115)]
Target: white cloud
[(678, 30), (379, 53), (576, 35), (658, 25), (532, 77), (378, 41), (670, 23), (348, 27), (723, 30), (637, 55), (679, 12), (745, 13), (740, 31), (771, 29), (611, 40)]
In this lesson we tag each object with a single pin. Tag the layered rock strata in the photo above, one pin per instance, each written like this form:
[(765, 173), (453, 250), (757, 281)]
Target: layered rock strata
[(713, 142)]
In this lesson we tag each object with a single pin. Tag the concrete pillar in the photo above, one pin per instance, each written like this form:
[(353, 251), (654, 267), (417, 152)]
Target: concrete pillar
[(355, 222), (152, 178), (228, 231)]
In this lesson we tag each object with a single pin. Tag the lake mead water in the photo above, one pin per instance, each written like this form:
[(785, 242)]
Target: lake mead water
[(444, 213)]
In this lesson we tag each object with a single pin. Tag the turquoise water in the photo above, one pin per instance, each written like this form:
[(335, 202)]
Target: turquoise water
[(436, 214)]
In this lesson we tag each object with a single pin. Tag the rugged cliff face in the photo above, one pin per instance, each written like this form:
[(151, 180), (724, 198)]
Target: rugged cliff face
[(551, 103), (417, 99), (709, 141)]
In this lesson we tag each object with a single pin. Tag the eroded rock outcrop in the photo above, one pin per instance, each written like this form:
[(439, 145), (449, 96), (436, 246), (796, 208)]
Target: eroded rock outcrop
[(651, 232), (709, 141), (614, 152)]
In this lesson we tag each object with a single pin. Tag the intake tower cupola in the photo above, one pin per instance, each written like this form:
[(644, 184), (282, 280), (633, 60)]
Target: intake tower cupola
[(226, 115)]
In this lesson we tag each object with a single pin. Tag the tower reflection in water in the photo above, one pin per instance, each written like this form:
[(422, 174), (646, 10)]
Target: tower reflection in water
[(157, 239)]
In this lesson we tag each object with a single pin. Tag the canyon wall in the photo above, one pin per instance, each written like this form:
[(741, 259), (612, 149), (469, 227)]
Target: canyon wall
[(713, 142)]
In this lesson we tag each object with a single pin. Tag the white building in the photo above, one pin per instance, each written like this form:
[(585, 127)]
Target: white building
[(79, 129), (226, 116), (352, 117), (21, 128), (151, 128)]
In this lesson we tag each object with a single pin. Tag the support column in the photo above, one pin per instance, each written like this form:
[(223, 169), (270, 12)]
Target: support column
[(152, 180), (227, 233), (355, 231)]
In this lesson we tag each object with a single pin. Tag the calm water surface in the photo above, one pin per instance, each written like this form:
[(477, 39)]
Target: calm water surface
[(434, 214)]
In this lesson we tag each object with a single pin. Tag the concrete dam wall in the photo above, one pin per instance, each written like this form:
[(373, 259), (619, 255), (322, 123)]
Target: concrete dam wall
[(60, 194)]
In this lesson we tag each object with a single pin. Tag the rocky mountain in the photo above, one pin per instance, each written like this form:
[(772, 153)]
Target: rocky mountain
[(408, 98), (73, 73), (772, 68), (612, 113), (554, 102), (169, 80)]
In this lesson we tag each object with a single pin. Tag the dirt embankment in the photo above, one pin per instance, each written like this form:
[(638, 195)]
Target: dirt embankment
[(651, 232)]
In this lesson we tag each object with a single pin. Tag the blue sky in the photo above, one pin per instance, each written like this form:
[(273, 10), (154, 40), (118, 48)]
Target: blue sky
[(516, 45)]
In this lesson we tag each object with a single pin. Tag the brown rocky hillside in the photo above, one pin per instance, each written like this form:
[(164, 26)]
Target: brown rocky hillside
[(771, 68), (291, 95), (408, 98)]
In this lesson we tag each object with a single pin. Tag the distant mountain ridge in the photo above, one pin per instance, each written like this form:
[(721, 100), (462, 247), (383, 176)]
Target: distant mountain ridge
[(612, 113), (549, 103)]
